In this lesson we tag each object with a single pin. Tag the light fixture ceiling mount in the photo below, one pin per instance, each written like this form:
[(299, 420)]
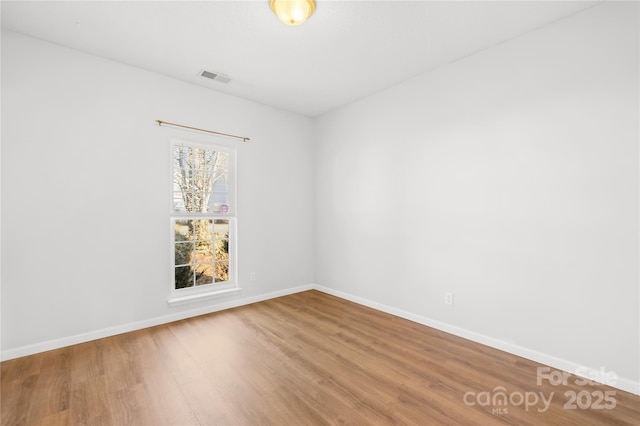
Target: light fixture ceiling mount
[(293, 12)]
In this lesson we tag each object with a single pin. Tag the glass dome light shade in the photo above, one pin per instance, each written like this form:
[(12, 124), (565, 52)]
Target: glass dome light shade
[(293, 12)]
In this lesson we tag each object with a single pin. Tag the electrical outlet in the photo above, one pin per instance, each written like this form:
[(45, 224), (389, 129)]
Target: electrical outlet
[(252, 276), (448, 298)]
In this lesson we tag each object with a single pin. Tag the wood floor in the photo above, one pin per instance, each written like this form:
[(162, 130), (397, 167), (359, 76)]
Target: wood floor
[(303, 359)]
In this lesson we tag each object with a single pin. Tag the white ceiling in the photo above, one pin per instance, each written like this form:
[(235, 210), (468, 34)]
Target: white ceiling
[(345, 51)]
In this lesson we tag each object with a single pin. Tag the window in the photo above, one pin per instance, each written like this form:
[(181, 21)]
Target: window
[(202, 219)]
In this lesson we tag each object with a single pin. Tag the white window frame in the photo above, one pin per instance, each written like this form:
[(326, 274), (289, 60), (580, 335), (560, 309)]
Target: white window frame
[(197, 293)]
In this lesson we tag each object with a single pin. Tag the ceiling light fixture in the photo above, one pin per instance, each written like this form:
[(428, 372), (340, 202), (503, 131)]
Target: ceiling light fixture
[(293, 12)]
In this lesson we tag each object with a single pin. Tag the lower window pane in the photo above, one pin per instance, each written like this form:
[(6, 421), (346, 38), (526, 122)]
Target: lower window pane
[(222, 250), (183, 253), (222, 271), (204, 274), (202, 229), (221, 225), (183, 277), (203, 252)]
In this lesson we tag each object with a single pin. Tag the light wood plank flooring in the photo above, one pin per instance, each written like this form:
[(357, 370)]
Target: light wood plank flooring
[(304, 359)]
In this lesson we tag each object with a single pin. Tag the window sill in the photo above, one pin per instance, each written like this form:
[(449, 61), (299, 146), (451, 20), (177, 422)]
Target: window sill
[(202, 296)]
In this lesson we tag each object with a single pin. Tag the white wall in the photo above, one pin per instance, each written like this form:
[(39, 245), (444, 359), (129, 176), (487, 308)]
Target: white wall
[(85, 187), (509, 178)]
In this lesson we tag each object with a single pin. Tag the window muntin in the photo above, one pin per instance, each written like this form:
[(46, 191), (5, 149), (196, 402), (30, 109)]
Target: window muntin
[(203, 216)]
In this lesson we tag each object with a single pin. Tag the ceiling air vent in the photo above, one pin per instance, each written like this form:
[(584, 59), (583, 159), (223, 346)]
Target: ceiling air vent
[(215, 76)]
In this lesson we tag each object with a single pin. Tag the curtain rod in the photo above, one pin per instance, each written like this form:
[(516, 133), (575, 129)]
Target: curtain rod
[(244, 139)]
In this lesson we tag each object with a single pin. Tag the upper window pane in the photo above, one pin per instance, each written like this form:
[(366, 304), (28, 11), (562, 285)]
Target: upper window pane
[(201, 181)]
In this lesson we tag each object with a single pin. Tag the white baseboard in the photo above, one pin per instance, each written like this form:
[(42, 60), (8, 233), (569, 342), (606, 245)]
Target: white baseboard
[(124, 328), (621, 383)]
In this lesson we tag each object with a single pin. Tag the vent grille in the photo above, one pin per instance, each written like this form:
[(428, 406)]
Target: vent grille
[(215, 76)]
